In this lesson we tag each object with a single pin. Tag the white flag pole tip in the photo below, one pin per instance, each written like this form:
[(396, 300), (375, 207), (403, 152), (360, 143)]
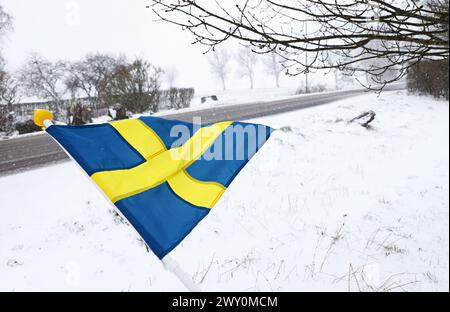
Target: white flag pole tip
[(173, 266)]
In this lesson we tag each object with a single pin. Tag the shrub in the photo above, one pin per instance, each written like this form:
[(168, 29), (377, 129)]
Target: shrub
[(429, 77), (314, 88), (117, 112), (186, 96), (173, 98), (180, 98), (27, 127), (79, 114), (136, 86), (153, 101)]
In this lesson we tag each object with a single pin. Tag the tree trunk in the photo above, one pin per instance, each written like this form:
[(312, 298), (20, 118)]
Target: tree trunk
[(223, 83), (336, 79)]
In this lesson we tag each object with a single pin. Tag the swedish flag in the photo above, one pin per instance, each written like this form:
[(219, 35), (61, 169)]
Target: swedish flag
[(163, 175)]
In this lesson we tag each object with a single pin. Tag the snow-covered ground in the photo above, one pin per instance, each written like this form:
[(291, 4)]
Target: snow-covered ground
[(324, 206), (232, 97), (242, 96)]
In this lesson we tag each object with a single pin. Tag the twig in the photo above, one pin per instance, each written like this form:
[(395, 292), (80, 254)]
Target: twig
[(208, 268)]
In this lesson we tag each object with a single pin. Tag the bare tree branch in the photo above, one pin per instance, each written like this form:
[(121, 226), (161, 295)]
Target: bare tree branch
[(42, 78), (355, 34)]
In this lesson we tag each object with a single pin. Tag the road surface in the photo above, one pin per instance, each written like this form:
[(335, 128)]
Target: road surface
[(27, 152)]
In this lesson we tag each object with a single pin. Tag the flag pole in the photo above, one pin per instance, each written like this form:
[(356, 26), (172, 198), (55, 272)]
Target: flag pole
[(173, 266), (43, 118)]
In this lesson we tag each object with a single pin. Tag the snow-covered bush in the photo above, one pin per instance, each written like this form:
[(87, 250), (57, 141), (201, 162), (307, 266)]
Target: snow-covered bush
[(429, 77), (180, 97), (186, 96), (314, 88)]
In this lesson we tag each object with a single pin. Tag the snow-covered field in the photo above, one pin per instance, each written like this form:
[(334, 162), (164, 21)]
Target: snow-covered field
[(232, 97), (242, 96), (324, 206)]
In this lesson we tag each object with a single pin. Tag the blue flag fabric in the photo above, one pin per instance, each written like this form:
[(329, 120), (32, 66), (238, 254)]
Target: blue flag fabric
[(163, 175)]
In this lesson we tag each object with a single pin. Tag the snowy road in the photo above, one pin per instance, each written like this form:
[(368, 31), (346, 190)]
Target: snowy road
[(33, 151)]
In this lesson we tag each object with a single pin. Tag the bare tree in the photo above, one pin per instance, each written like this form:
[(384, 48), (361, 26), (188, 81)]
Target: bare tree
[(171, 75), (5, 25), (136, 86), (342, 77), (274, 66), (5, 21), (43, 78), (408, 31), (9, 89), (8, 96), (90, 76), (219, 61), (247, 61)]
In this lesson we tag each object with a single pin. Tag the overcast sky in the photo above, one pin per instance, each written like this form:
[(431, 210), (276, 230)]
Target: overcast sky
[(68, 29)]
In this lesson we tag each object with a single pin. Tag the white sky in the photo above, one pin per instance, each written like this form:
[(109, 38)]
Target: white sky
[(68, 29)]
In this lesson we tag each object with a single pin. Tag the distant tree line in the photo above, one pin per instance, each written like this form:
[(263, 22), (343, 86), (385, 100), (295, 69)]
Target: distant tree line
[(103, 78), (96, 82), (247, 61)]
